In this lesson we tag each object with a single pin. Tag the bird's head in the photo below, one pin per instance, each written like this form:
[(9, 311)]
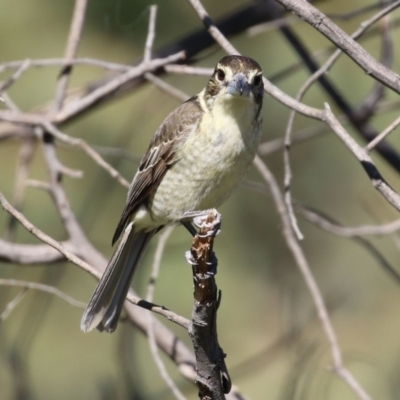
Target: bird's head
[(236, 77)]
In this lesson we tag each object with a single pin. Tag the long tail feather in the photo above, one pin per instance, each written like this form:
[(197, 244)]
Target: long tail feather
[(105, 306)]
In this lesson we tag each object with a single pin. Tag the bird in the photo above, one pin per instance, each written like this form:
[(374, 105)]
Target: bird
[(197, 157)]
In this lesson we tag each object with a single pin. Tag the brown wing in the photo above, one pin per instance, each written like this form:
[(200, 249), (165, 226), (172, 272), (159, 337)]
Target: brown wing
[(159, 157)]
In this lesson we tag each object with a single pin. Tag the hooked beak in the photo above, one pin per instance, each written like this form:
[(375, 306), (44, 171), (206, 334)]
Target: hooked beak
[(239, 86)]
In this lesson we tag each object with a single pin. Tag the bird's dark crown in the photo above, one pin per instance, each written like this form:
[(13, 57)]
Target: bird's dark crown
[(239, 64), (230, 66)]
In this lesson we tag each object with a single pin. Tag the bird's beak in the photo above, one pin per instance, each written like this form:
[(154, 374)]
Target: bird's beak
[(239, 86)]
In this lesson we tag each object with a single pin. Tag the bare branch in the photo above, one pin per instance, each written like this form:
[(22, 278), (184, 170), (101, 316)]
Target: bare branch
[(312, 79), (43, 288), (366, 161), (166, 87), (12, 304), (63, 62), (103, 91), (117, 152), (332, 32), (31, 254), (369, 106), (355, 13), (15, 76), (272, 25), (326, 223), (162, 241), (301, 136), (47, 239), (33, 183), (188, 70), (5, 98), (212, 28), (305, 270), (80, 262), (93, 154), (383, 135), (151, 34), (149, 297), (71, 49), (25, 156), (378, 230)]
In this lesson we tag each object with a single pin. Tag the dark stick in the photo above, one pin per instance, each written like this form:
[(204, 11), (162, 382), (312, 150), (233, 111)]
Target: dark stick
[(212, 376)]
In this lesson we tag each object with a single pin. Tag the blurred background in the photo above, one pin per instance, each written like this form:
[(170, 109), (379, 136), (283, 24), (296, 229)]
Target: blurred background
[(267, 322)]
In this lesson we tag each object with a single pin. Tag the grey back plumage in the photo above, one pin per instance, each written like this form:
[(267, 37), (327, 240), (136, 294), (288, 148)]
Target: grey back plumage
[(159, 157)]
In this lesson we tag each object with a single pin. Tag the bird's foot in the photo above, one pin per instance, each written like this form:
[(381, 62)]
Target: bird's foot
[(199, 219)]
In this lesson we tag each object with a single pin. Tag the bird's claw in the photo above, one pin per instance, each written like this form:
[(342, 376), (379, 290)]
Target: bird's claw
[(199, 219)]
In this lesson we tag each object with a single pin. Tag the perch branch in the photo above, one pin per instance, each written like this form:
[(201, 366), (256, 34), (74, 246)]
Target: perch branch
[(212, 376)]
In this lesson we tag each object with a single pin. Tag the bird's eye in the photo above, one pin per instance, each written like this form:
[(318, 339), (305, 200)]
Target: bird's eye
[(220, 75), (257, 80)]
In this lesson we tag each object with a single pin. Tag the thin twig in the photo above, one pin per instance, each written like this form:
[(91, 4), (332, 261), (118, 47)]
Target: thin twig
[(272, 25), (93, 154), (368, 107), (43, 288), (358, 11), (188, 70), (356, 234), (9, 103), (56, 62), (151, 34), (84, 103), (117, 152), (290, 20), (185, 323), (10, 307), (166, 87), (382, 135), (47, 239), (366, 161), (161, 244), (301, 261), (162, 241), (15, 76), (25, 157), (212, 28), (33, 183), (71, 49), (149, 297), (348, 231), (299, 137)]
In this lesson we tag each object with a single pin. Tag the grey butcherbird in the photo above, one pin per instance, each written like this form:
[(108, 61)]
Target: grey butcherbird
[(198, 156)]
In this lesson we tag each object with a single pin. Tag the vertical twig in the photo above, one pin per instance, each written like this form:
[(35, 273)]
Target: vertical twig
[(24, 161), (212, 376), (151, 34), (13, 304), (150, 329), (301, 261), (71, 49)]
